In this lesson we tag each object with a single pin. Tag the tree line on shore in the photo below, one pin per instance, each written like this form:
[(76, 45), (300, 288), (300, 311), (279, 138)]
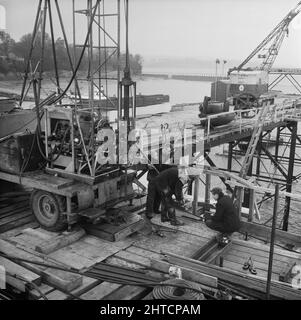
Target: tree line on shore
[(14, 55)]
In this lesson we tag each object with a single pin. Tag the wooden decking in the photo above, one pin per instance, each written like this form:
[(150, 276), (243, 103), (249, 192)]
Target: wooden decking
[(136, 252)]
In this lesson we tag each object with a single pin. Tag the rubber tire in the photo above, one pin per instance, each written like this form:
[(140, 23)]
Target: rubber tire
[(59, 221)]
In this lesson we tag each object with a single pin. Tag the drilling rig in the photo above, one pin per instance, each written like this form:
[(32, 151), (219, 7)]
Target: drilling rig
[(71, 161)]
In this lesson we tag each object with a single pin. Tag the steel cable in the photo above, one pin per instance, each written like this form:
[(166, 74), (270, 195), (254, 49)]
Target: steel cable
[(169, 292)]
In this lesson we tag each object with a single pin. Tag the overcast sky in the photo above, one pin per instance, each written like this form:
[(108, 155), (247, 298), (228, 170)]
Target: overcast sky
[(205, 29)]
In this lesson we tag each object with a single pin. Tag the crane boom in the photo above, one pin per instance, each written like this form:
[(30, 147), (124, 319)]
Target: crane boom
[(275, 37)]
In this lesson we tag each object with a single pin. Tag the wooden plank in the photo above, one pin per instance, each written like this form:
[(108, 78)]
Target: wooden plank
[(17, 223), (182, 233), (250, 281), (237, 267), (38, 233), (60, 241), (71, 258), (15, 217), (187, 273), (56, 295), (14, 194), (12, 250), (18, 276), (265, 232), (83, 255), (192, 228), (17, 204), (88, 284), (172, 242), (260, 256), (131, 257), (25, 240), (101, 291), (43, 288), (115, 233), (89, 239), (12, 212), (128, 292), (18, 230), (61, 279), (265, 248), (144, 253), (257, 264)]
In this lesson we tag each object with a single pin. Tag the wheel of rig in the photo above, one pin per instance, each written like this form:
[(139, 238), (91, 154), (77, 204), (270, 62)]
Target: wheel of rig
[(245, 101), (47, 209)]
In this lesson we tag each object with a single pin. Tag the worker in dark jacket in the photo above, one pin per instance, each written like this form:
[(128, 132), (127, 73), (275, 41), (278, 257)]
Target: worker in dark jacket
[(162, 187), (225, 219), (154, 196)]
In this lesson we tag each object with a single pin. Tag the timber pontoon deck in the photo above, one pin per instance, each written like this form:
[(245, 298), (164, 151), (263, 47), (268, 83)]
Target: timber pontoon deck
[(191, 247)]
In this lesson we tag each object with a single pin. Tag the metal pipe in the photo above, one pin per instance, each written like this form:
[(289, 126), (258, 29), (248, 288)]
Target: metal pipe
[(230, 156), (99, 60), (290, 174), (74, 50), (195, 195), (67, 46), (118, 62), (33, 36), (90, 20), (41, 65), (259, 149), (273, 233), (53, 49)]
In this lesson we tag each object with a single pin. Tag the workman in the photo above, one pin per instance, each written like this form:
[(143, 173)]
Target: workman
[(225, 220), (161, 188)]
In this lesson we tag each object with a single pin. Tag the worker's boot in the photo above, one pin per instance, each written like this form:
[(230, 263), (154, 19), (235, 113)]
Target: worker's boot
[(173, 219), (164, 216)]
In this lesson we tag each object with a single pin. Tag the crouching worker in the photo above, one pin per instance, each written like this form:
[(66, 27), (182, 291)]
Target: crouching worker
[(161, 189), (225, 220)]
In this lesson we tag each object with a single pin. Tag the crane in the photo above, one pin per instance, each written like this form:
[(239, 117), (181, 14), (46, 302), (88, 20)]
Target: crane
[(272, 42)]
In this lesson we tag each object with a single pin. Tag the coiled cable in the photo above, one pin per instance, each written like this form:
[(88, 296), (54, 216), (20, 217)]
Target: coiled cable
[(178, 293)]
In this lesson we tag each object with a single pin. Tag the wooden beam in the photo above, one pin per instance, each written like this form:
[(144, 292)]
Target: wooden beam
[(264, 232), (278, 289), (60, 279), (18, 276), (49, 245)]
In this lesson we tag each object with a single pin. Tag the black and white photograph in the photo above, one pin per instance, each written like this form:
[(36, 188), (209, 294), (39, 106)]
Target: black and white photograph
[(150, 155)]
